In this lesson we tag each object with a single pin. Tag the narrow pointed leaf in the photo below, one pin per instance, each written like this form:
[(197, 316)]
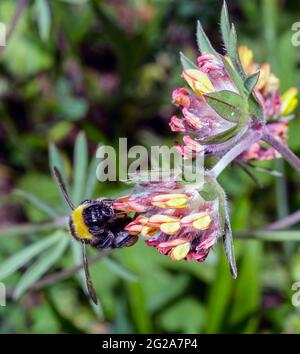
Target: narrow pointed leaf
[(91, 179), (21, 258), (247, 169), (227, 237), (55, 159), (38, 203), (235, 77), (267, 171), (204, 44), (225, 25), (120, 270), (225, 223), (228, 248), (187, 63), (232, 51), (221, 137), (273, 236), (80, 168), (251, 81), (255, 108), (41, 266)]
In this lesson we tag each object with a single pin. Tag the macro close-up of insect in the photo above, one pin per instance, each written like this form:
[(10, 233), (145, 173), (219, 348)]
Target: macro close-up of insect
[(97, 223)]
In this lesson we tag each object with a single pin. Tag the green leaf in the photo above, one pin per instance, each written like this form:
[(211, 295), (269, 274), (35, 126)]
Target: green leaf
[(225, 224), (247, 300), (20, 47), (255, 108), (228, 247), (41, 266), (225, 25), (119, 269), (21, 258), (204, 44), (136, 295), (55, 159), (91, 179), (249, 171), (187, 63), (227, 238), (275, 236), (232, 52), (80, 168), (43, 18), (72, 108), (38, 203), (229, 105), (235, 76), (174, 318), (251, 81), (30, 228), (221, 137), (219, 297)]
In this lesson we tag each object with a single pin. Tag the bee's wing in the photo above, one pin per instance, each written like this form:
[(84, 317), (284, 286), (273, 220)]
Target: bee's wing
[(89, 283)]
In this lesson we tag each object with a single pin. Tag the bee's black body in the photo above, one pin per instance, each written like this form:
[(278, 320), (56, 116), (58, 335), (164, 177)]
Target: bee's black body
[(104, 224)]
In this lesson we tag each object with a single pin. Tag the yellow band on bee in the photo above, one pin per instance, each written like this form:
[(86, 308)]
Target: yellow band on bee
[(80, 228)]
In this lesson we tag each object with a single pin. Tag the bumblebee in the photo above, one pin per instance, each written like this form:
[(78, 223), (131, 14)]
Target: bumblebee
[(97, 223)]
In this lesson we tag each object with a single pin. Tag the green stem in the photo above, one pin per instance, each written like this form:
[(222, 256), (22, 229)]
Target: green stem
[(250, 138)]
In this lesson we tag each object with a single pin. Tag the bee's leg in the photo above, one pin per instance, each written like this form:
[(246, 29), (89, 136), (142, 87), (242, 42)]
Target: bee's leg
[(103, 240), (123, 239)]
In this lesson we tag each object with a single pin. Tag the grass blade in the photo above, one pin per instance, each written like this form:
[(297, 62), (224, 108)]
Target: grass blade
[(273, 236), (120, 270), (80, 168), (38, 203), (41, 266), (21, 258), (91, 181)]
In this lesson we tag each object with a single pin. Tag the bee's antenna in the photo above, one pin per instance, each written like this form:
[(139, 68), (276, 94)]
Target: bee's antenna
[(89, 283), (62, 186)]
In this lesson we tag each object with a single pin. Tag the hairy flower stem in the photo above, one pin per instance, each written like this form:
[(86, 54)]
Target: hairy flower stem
[(250, 138), (283, 150)]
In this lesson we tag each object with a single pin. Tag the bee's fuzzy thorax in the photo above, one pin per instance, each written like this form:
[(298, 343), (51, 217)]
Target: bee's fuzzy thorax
[(78, 227)]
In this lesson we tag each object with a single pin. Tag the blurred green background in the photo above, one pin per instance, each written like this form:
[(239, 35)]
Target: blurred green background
[(77, 73)]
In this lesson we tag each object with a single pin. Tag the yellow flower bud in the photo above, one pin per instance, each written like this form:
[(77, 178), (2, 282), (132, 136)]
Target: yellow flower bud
[(289, 101), (180, 252), (246, 56), (148, 231), (177, 203), (198, 81), (162, 218), (202, 223), (170, 228)]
